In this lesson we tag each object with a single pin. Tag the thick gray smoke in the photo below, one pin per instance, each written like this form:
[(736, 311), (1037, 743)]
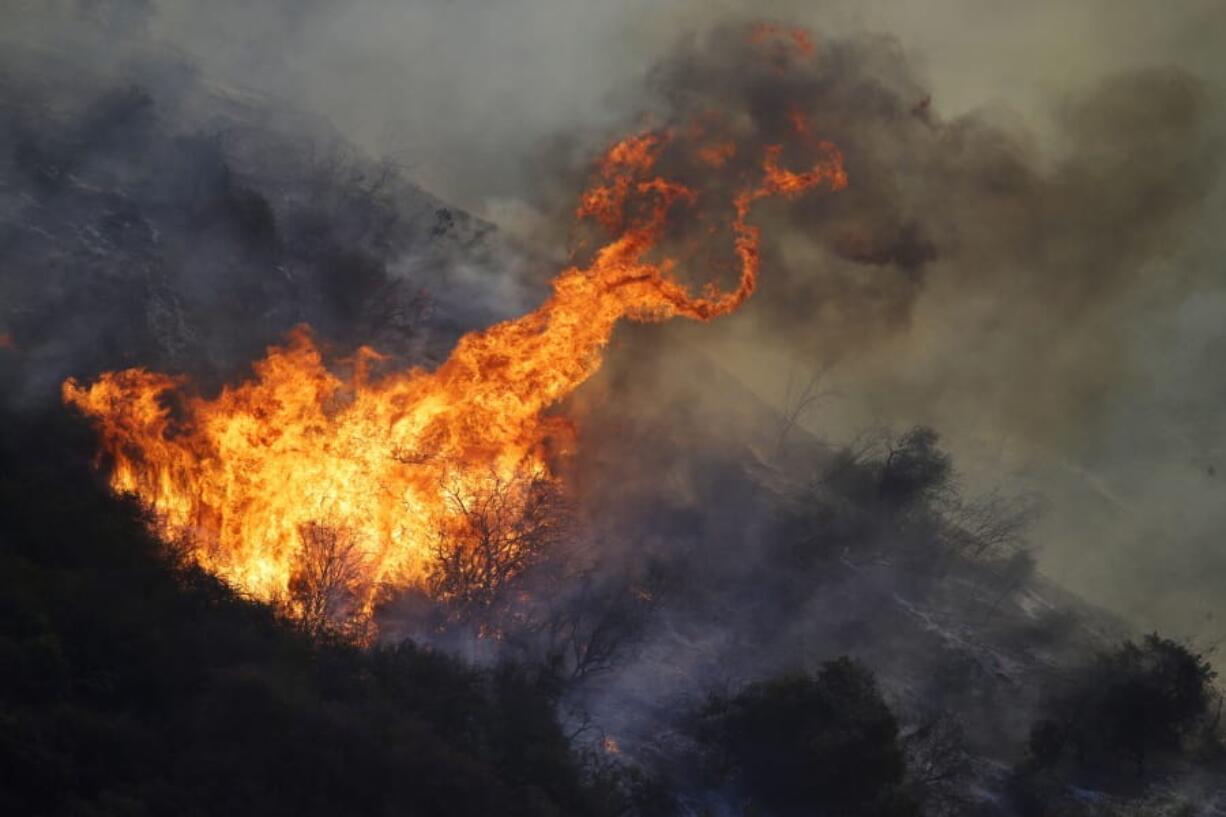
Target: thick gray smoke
[(1038, 293)]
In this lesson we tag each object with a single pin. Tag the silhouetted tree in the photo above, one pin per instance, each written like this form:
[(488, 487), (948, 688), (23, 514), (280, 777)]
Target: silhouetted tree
[(990, 526), (1133, 705), (801, 396), (914, 468), (493, 533), (801, 743), (329, 580), (591, 630), (938, 763)]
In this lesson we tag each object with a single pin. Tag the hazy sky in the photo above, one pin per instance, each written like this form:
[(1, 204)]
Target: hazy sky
[(463, 89)]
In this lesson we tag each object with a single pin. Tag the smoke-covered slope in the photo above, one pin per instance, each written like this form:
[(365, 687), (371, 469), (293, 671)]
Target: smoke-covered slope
[(776, 554), (148, 217)]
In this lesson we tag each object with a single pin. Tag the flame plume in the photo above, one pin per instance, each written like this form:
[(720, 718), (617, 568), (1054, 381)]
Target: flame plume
[(242, 475)]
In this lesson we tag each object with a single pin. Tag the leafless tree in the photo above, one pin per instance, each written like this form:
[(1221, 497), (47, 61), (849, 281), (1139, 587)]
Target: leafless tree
[(992, 525), (938, 764), (590, 631), (492, 533), (329, 580), (801, 396)]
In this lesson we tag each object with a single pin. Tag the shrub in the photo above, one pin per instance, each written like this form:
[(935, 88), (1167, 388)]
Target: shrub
[(1130, 706), (802, 742)]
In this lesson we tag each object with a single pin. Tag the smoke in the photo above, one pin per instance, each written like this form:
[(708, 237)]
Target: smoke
[(1031, 291), (1040, 289), (153, 216), (1027, 256)]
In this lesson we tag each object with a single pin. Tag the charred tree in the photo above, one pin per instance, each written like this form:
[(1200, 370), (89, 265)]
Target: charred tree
[(492, 534)]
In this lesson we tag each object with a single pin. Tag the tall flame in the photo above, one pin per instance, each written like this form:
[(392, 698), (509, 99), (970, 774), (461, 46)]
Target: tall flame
[(242, 475)]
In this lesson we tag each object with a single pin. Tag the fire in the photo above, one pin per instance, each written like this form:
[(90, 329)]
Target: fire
[(718, 154), (800, 39), (298, 454)]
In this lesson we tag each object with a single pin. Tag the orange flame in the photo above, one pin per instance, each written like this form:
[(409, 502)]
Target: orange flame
[(718, 154), (240, 476), (800, 38)]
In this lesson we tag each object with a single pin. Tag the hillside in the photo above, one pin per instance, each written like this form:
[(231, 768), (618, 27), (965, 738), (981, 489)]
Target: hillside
[(713, 611), (136, 685)]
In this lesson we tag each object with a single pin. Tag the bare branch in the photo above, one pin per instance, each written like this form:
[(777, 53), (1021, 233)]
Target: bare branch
[(494, 531), (330, 578), (799, 399)]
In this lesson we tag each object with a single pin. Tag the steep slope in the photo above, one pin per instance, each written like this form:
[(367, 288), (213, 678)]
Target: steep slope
[(781, 558)]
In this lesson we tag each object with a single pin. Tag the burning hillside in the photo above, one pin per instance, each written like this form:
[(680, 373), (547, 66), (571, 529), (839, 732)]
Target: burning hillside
[(366, 471), (353, 463)]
